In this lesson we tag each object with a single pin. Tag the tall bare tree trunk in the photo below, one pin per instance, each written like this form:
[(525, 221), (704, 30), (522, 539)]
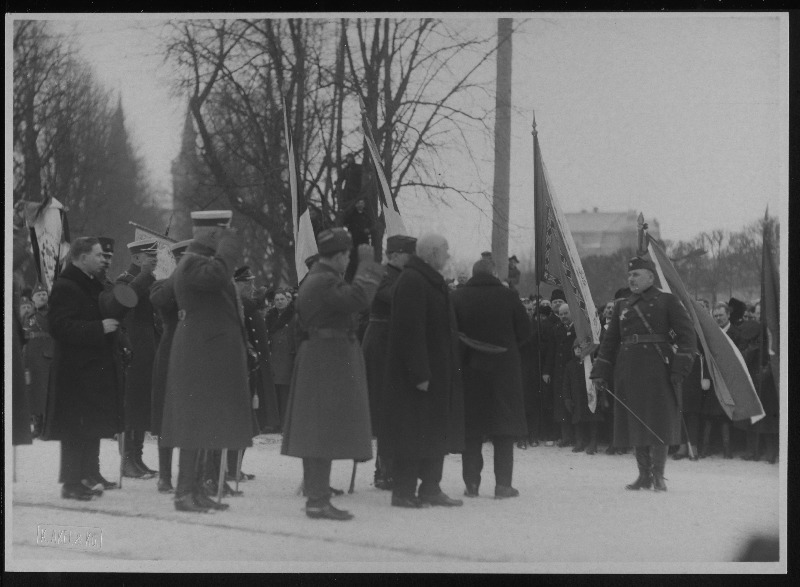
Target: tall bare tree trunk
[(502, 148)]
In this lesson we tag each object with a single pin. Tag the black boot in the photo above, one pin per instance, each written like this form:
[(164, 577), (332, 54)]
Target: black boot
[(726, 440), (659, 460), (165, 469), (645, 478), (706, 450), (580, 441), (592, 447)]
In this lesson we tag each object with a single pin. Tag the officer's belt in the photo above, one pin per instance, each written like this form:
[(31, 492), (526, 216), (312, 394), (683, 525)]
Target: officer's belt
[(331, 333), (643, 338), (31, 335)]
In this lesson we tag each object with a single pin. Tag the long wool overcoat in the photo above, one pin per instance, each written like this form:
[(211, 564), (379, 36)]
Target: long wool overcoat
[(641, 377), (85, 392), (162, 298), (207, 402), (327, 415), (423, 346), (493, 400), (757, 361), (261, 384), (38, 357), (376, 343), (139, 327), (282, 344), (562, 354)]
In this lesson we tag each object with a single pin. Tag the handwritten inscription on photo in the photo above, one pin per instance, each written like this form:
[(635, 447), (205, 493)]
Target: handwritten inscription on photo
[(75, 537)]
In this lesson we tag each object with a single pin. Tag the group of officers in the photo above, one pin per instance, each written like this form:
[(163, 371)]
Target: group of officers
[(438, 371)]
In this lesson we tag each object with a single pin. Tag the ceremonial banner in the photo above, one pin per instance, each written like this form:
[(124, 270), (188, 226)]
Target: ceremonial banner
[(770, 301), (558, 264), (165, 264), (732, 382), (49, 233), (305, 243), (391, 213)]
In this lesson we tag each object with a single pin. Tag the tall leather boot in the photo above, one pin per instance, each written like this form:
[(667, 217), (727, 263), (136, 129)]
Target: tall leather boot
[(137, 447), (164, 484), (726, 440), (659, 460), (645, 478)]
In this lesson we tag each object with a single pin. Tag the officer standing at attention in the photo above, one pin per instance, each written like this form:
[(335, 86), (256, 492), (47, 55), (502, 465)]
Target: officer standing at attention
[(637, 354)]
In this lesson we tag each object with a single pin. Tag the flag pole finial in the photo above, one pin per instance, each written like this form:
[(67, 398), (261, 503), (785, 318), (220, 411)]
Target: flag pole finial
[(642, 234), (533, 125)]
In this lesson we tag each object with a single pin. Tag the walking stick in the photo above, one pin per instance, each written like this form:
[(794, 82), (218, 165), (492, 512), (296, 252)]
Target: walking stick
[(223, 466), (121, 456), (239, 455), (353, 478)]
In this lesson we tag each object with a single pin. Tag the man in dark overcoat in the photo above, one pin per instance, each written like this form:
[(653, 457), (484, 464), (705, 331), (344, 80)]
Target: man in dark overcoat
[(20, 410), (536, 355), (637, 353), (281, 329), (162, 298), (564, 337), (140, 331), (207, 403), (38, 355), (399, 249), (359, 222), (494, 407), (84, 396), (423, 415)]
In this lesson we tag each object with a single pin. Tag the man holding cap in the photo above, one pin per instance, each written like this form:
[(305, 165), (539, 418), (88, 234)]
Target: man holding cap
[(83, 403), (207, 398), (327, 416), (140, 330), (637, 354), (399, 249)]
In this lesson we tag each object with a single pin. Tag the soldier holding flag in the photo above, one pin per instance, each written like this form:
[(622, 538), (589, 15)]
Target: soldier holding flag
[(637, 355)]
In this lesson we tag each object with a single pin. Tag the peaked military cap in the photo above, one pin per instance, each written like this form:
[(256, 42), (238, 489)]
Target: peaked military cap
[(148, 246), (333, 240), (513, 258), (38, 288), (401, 243), (107, 244), (179, 247), (243, 273), (641, 263), (212, 218), (558, 294)]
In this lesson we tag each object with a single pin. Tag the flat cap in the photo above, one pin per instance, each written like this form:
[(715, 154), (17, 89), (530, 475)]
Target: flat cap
[(147, 245), (641, 263), (401, 243), (212, 218), (333, 240), (107, 244), (243, 273)]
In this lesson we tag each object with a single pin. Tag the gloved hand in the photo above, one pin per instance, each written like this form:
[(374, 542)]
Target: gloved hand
[(676, 380), (569, 404), (600, 384)]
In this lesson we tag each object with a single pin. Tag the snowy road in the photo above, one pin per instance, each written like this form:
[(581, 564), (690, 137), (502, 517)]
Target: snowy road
[(573, 515)]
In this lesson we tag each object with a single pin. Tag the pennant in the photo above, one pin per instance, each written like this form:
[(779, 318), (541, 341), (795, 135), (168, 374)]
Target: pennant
[(49, 236), (386, 202), (558, 263), (770, 302), (305, 243), (732, 382)]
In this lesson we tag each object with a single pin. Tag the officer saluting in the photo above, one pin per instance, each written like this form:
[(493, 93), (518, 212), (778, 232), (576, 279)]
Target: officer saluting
[(637, 352)]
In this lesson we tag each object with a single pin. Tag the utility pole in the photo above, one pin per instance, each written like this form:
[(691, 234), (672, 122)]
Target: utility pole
[(502, 148)]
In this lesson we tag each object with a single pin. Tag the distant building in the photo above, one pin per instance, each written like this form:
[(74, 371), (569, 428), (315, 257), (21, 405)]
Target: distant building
[(604, 233)]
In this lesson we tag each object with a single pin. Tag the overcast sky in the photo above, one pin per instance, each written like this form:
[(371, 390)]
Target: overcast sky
[(683, 117)]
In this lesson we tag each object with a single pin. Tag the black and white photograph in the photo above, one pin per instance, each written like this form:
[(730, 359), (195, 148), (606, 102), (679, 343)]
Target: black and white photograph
[(277, 282)]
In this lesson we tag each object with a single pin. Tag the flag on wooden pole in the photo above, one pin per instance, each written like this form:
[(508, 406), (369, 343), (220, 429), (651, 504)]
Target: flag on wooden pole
[(732, 383), (305, 243), (770, 298), (386, 202), (558, 263)]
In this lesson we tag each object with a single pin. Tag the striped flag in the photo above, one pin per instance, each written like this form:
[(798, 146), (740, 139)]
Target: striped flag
[(558, 264), (305, 244), (386, 202), (732, 382)]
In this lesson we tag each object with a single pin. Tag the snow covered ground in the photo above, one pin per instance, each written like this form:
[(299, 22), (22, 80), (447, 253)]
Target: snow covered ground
[(573, 515)]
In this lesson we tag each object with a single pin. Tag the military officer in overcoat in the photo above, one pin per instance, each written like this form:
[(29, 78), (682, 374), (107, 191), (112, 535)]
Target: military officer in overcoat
[(637, 354), (399, 249), (327, 416), (207, 399), (162, 298), (140, 329)]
